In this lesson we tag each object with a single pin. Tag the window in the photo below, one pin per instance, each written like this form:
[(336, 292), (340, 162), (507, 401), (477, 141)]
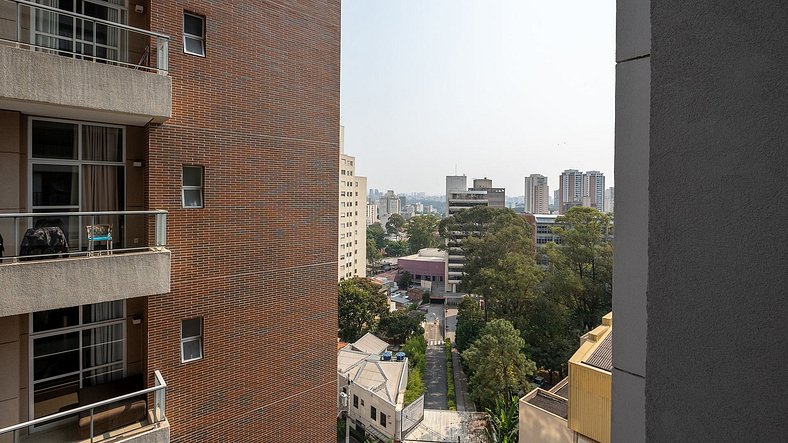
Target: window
[(192, 187), (194, 34), (355, 401), (191, 339), (373, 413), (383, 419), (75, 347)]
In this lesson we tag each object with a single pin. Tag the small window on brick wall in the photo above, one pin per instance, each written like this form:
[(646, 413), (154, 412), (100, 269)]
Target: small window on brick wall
[(191, 339), (192, 186), (193, 34)]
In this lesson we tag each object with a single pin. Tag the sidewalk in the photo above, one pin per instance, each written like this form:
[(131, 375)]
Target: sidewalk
[(461, 384)]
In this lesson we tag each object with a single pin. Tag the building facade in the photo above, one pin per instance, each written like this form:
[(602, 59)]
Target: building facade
[(352, 246), (459, 198), (388, 204), (537, 194), (581, 189), (594, 189), (372, 213), (701, 139), (189, 149)]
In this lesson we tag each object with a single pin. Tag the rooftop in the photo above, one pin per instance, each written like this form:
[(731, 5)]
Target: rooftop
[(550, 403), (602, 356)]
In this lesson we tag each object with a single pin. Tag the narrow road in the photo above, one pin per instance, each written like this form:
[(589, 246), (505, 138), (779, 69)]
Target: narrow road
[(435, 368)]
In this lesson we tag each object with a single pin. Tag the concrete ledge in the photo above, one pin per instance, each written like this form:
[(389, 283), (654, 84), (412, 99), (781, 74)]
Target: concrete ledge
[(158, 433), (47, 84), (49, 284)]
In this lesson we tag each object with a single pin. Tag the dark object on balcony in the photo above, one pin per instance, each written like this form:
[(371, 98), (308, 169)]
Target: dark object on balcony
[(114, 415), (2, 248), (44, 240)]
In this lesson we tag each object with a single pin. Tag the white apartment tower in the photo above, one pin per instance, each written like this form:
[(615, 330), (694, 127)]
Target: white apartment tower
[(537, 194), (372, 213), (352, 260), (388, 204)]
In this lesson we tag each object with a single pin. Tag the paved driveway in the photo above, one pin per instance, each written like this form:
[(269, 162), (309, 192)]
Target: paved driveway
[(435, 366)]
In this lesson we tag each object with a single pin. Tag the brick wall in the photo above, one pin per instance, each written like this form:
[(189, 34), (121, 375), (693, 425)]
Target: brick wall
[(261, 114)]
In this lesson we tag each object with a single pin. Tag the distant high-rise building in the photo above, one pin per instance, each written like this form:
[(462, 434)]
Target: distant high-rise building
[(570, 185), (610, 199), (387, 205), (581, 189), (352, 221), (594, 189), (537, 194), (372, 213), (403, 202)]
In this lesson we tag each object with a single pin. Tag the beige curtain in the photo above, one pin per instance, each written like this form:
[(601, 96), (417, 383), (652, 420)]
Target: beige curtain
[(100, 182)]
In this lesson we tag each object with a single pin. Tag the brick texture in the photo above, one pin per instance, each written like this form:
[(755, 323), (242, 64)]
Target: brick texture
[(261, 114)]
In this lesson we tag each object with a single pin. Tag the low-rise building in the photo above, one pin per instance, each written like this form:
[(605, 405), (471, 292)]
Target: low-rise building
[(578, 408), (374, 382), (428, 264)]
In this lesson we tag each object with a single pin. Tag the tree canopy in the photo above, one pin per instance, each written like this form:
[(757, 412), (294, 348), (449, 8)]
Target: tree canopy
[(396, 248), (361, 306), (395, 224), (470, 321), (580, 269), (497, 363), (376, 232), (422, 232), (399, 326)]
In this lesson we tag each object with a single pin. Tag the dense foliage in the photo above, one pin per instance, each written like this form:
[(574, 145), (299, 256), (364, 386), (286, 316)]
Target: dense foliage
[(497, 363), (422, 232), (361, 306), (549, 305)]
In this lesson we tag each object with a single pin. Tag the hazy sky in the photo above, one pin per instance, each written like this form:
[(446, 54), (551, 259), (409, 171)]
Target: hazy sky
[(500, 89)]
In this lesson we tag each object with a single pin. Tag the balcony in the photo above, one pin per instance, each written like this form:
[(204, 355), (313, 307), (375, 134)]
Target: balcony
[(59, 63), (119, 418), (55, 265)]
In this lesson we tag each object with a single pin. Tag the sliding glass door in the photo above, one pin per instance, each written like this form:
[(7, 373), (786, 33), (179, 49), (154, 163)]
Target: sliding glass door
[(72, 348), (76, 166), (70, 35)]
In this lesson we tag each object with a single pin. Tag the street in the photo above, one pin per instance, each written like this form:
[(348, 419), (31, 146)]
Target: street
[(435, 366)]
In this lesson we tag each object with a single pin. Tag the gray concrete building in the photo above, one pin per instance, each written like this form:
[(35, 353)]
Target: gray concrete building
[(701, 128)]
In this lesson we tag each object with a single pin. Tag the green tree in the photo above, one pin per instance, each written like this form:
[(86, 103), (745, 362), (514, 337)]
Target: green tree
[(395, 224), (404, 280), (504, 420), (500, 266), (396, 248), (399, 326), (373, 252), (580, 269), (361, 306), (422, 232), (497, 364), (376, 232), (470, 321)]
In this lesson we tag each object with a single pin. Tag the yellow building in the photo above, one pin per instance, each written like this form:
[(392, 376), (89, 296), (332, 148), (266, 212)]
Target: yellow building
[(578, 408)]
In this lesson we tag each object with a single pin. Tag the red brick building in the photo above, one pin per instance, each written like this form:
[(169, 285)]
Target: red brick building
[(224, 115)]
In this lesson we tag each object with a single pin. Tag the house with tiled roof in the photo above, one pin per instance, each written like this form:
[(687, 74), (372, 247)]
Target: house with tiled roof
[(374, 381)]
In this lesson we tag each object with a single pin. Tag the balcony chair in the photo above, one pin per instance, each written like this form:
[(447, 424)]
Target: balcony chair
[(99, 233)]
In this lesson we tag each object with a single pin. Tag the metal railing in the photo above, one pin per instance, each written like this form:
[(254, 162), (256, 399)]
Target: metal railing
[(159, 231), (159, 391), (80, 46)]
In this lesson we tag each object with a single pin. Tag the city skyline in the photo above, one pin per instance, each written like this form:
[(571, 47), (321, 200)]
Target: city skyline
[(411, 118)]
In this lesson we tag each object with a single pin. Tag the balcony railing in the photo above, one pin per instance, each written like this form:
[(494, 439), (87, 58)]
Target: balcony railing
[(130, 229), (49, 29), (159, 391)]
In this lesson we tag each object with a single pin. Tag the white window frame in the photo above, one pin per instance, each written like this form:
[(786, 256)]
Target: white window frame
[(185, 188), (197, 338), (201, 38)]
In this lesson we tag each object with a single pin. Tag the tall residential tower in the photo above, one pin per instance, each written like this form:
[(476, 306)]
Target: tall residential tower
[(537, 194)]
